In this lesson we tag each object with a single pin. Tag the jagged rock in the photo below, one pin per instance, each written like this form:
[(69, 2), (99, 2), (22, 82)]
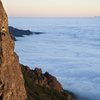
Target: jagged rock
[(45, 79), (11, 78), (43, 86), (52, 82), (38, 72)]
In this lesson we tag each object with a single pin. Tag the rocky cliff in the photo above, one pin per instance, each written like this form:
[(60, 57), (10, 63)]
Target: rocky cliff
[(11, 78), (37, 86), (43, 79), (43, 86)]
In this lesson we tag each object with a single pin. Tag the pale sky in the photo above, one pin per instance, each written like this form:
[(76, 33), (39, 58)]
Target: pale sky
[(52, 8)]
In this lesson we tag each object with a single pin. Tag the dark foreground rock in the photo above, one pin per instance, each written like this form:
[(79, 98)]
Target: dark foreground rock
[(43, 86)]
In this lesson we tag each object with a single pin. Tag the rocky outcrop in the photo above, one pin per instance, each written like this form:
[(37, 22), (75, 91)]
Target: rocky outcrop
[(44, 79), (21, 33), (11, 78), (43, 86), (18, 32)]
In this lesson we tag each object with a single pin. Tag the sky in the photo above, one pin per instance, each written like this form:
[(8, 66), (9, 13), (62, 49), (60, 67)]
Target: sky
[(52, 8)]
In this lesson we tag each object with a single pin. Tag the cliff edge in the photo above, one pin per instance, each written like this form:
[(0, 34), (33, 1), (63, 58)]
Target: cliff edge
[(11, 78), (19, 82), (43, 86)]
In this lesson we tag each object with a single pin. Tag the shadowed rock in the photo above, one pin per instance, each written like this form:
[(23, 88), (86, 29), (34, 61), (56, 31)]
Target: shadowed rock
[(43, 86), (20, 33)]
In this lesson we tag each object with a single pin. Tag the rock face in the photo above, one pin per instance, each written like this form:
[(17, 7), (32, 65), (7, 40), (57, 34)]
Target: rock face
[(43, 86), (11, 78), (44, 79), (37, 86), (3, 17)]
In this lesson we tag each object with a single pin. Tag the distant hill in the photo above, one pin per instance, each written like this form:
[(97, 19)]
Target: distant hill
[(20, 33)]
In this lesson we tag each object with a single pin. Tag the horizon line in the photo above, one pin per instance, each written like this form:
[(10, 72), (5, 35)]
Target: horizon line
[(53, 16)]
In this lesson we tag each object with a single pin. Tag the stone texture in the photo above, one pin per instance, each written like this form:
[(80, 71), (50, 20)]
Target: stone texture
[(43, 86), (45, 79), (11, 78)]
